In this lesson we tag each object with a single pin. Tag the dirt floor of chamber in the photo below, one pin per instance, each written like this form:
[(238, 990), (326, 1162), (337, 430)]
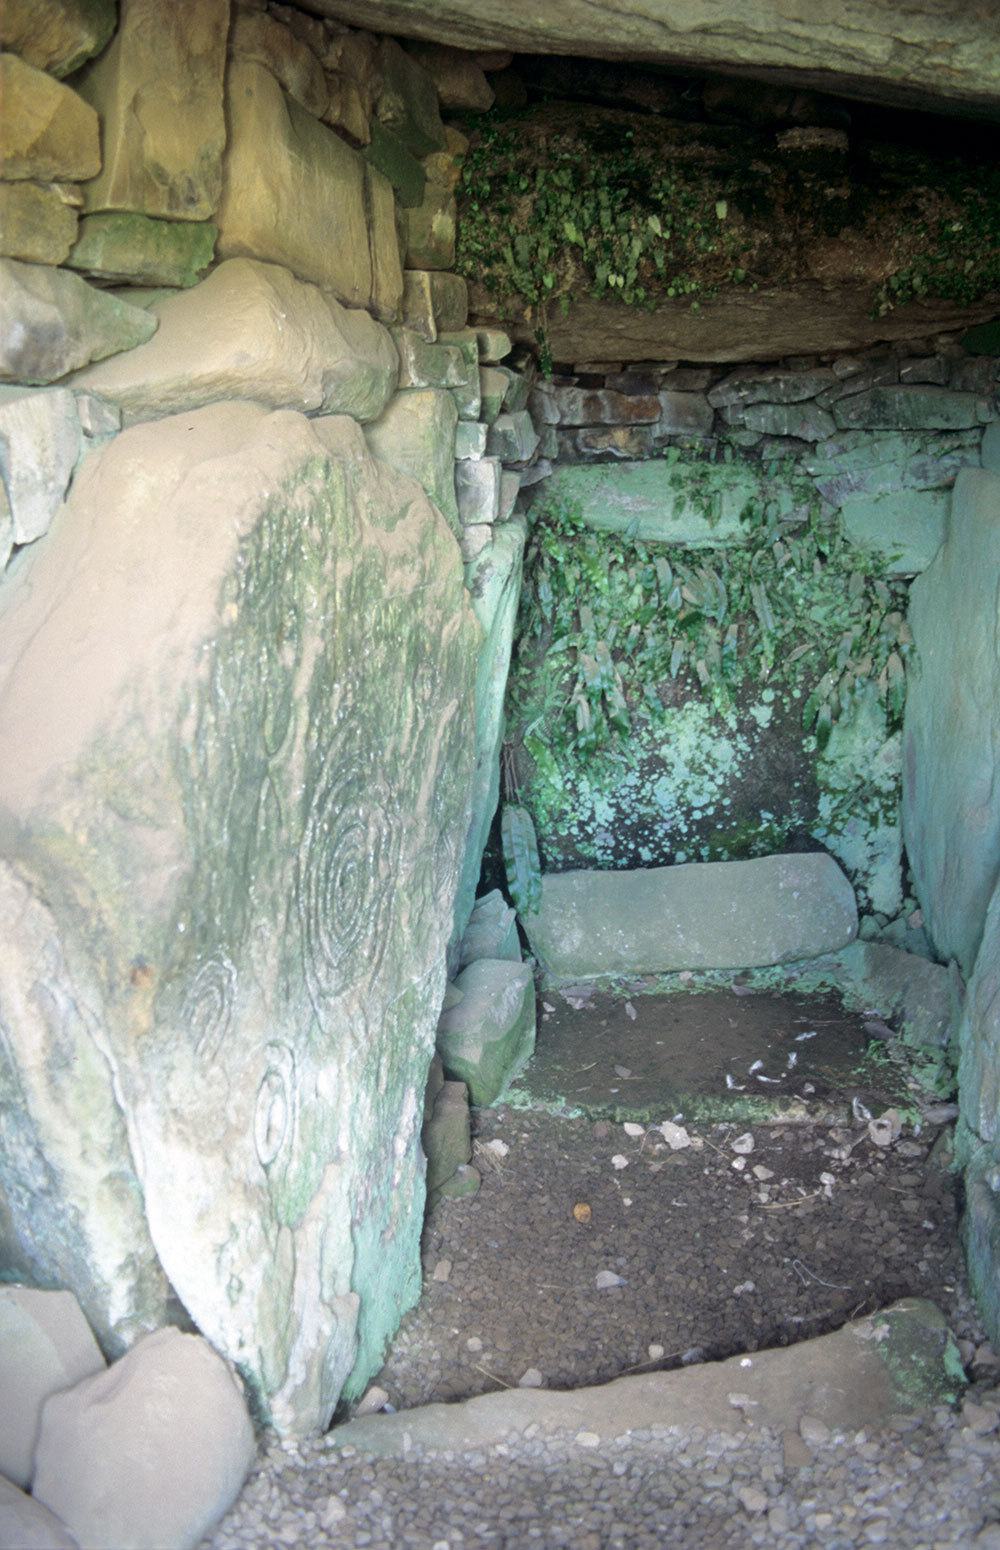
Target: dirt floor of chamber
[(594, 1248)]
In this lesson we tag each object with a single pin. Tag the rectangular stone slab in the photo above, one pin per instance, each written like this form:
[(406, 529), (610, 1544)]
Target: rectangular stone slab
[(703, 915)]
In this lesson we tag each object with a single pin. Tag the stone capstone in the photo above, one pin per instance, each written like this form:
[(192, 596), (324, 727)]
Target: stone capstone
[(49, 132), (237, 760), (714, 914), (951, 729), (295, 193), (157, 89), (152, 1451), (487, 1034), (52, 322), (251, 330), (45, 1345), (871, 52), (58, 35)]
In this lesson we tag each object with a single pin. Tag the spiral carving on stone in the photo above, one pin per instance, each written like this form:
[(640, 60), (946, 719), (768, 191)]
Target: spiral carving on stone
[(347, 871), (207, 1009), (274, 1110)]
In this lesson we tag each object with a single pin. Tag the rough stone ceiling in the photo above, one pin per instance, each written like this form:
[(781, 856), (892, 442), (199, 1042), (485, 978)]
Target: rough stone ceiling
[(940, 55)]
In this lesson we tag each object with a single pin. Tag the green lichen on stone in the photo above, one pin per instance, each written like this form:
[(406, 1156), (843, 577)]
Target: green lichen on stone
[(920, 1356)]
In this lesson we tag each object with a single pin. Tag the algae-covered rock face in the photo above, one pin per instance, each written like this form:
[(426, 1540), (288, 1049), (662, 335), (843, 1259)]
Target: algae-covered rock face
[(239, 756)]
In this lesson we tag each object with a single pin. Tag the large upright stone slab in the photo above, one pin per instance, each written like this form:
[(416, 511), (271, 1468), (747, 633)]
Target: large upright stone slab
[(707, 915), (52, 322), (158, 91), (236, 733), (251, 330), (951, 730), (296, 194), (978, 1134)]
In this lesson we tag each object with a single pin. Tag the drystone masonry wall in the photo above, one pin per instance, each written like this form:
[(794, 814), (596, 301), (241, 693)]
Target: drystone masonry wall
[(262, 565)]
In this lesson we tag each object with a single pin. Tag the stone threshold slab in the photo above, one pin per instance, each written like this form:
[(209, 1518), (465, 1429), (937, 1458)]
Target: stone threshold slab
[(892, 1363)]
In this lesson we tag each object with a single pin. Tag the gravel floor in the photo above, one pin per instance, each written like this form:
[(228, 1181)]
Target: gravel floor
[(713, 1257)]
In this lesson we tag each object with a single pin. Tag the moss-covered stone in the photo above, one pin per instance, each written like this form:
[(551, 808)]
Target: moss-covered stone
[(137, 250)]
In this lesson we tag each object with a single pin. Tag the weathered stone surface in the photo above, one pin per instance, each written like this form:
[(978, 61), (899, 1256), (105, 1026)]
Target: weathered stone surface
[(446, 1137), (52, 322), (979, 1042), (260, 36), (151, 1452), (431, 231), (806, 421), (512, 437), (806, 319), (423, 365), (40, 442), (684, 414), (28, 1525), (408, 103), (6, 527), (58, 35), (494, 346), (45, 1345), (493, 578), (37, 225), (906, 529), (416, 436), (748, 385), (647, 497), (910, 993), (582, 406), (981, 1238), (872, 52), (470, 439), (488, 1033), (857, 819), (714, 914), (477, 486), (492, 392), (49, 132), (466, 392), (473, 539), (158, 90), (389, 155), (951, 742), (251, 330), (237, 769), (120, 245), (433, 302), (460, 81), (491, 932), (862, 463), (911, 409), (294, 193)]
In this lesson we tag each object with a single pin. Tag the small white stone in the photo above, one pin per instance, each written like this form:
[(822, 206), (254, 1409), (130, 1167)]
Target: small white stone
[(632, 1129), (752, 1498), (442, 1270), (743, 1145), (588, 1439), (530, 1379), (654, 1351), (607, 1278), (619, 1162)]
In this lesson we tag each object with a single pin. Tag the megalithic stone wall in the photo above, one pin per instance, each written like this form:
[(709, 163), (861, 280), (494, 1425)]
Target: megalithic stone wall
[(237, 731)]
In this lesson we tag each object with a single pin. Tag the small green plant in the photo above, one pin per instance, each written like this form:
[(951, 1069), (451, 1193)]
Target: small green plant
[(617, 622)]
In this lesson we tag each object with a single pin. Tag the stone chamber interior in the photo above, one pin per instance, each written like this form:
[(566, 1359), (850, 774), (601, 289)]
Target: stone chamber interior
[(499, 706)]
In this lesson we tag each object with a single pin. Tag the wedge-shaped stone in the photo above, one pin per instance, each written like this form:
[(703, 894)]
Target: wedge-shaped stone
[(416, 436), (48, 131), (702, 915), (237, 754), (152, 1451), (408, 102), (134, 249), (259, 36), (295, 194), (951, 729), (251, 330), (52, 322), (158, 91), (58, 35), (488, 1032)]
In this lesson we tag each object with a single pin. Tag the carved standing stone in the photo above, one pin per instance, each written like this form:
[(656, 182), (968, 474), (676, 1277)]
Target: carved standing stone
[(237, 761)]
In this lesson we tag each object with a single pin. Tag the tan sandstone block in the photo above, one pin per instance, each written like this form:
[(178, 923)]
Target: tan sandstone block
[(158, 90), (295, 194), (36, 224), (58, 35), (260, 37), (48, 131)]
